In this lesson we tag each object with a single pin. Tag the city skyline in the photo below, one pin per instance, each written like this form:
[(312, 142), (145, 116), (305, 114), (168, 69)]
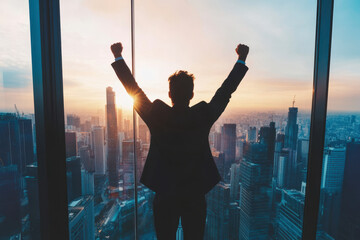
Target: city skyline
[(270, 84)]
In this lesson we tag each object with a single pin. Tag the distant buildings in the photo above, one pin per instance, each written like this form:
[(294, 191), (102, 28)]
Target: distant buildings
[(112, 139)]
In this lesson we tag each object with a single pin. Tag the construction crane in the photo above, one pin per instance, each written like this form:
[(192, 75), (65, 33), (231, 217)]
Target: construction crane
[(17, 111)]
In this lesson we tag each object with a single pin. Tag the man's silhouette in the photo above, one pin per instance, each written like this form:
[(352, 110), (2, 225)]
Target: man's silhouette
[(179, 167)]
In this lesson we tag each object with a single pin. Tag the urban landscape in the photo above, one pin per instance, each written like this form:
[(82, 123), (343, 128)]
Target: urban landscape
[(261, 156)]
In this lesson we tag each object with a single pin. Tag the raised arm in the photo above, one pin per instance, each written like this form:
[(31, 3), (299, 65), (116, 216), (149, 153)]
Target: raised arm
[(222, 96), (141, 103)]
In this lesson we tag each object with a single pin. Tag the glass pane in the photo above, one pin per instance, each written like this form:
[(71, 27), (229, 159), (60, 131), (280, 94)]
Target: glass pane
[(260, 143), (19, 200), (98, 116), (339, 213)]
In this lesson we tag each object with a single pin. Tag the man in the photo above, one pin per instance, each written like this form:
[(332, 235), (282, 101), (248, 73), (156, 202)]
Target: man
[(179, 167)]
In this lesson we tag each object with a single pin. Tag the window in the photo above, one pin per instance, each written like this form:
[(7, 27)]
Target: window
[(19, 201), (339, 215)]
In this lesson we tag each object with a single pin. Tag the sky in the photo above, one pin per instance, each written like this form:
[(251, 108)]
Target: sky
[(197, 36)]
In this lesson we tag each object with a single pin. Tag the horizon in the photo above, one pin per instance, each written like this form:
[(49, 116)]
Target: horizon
[(280, 59)]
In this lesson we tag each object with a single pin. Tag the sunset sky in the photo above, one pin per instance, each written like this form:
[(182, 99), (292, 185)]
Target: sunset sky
[(198, 36)]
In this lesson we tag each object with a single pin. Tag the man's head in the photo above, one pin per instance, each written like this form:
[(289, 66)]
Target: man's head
[(181, 87)]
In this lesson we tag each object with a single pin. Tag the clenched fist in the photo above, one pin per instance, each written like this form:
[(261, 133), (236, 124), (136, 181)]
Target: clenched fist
[(242, 50), (116, 49)]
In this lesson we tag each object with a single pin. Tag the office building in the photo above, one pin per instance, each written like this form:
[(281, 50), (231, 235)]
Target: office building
[(228, 147), (70, 143), (112, 139), (73, 172), (99, 149), (291, 130), (81, 218)]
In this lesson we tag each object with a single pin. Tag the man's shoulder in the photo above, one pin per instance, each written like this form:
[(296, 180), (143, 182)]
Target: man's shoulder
[(199, 105), (160, 105)]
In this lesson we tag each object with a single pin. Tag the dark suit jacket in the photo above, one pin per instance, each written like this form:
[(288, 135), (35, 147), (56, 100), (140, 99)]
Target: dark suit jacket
[(179, 160)]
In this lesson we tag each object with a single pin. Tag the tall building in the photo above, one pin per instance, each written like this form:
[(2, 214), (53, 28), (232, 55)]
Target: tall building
[(73, 170), (16, 142), (73, 120), (333, 169), (291, 212), (127, 166), (292, 128), (349, 224), (112, 139), (99, 149), (279, 145), (228, 146), (10, 213), (81, 218), (218, 205), (251, 134), (32, 189), (70, 143), (235, 182), (255, 178)]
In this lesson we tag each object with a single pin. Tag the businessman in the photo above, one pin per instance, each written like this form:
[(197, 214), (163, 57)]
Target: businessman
[(179, 167)]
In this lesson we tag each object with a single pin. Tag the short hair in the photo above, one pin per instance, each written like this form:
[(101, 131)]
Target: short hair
[(181, 86)]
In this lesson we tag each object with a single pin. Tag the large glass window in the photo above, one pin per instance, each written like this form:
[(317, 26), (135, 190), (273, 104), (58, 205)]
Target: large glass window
[(98, 117), (19, 202), (339, 213), (260, 144)]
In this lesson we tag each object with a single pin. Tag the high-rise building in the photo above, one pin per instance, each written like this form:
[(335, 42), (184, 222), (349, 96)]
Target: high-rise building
[(32, 189), (112, 139), (127, 166), (99, 149), (279, 145), (73, 170), (255, 178), (292, 128), (87, 182), (234, 220), (81, 218), (16, 142), (235, 182), (331, 187), (251, 134), (333, 169), (10, 213), (228, 146), (218, 205), (73, 120), (291, 211), (70, 143), (349, 224)]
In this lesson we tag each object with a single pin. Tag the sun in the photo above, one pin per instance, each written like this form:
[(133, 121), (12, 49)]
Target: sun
[(124, 101)]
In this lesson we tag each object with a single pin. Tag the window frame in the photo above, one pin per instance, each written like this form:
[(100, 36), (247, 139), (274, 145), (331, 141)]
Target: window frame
[(49, 114)]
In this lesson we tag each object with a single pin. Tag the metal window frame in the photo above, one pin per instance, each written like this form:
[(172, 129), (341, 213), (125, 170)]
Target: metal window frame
[(49, 115), (322, 57)]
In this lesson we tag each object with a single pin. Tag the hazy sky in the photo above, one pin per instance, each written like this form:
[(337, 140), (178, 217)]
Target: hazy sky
[(198, 36)]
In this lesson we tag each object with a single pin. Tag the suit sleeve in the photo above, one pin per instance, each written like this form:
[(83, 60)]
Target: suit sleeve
[(222, 96), (142, 104)]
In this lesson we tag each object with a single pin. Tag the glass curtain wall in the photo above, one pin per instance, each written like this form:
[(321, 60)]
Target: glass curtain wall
[(19, 209), (98, 117), (260, 143), (339, 212)]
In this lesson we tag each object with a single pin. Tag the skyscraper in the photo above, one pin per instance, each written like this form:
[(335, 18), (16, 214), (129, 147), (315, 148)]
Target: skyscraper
[(81, 218), (228, 146), (99, 149), (234, 182), (349, 224), (292, 128), (73, 169), (10, 223), (16, 141), (218, 202), (70, 143), (112, 139), (255, 178), (73, 120), (291, 212)]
